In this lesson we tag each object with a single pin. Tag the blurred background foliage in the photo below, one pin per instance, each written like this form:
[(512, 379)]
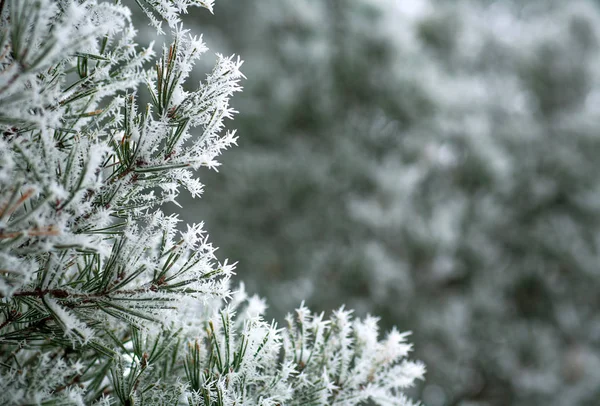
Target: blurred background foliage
[(431, 162)]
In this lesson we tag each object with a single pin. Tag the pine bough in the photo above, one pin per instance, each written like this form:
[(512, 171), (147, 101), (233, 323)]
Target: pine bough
[(103, 301)]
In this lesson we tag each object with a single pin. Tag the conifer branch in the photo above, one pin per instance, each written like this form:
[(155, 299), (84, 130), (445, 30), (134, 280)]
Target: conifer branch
[(104, 300)]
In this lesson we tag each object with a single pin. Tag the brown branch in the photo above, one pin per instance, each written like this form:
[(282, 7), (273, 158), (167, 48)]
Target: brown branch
[(34, 232), (4, 210), (64, 294), (9, 82), (12, 316)]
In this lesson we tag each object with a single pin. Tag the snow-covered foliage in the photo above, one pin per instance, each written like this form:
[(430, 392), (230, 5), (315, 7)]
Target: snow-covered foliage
[(442, 172), (102, 300)]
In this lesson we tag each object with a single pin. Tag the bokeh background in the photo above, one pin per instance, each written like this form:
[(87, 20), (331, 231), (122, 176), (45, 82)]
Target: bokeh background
[(435, 163)]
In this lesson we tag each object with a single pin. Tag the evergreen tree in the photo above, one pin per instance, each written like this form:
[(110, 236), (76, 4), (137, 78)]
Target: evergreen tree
[(103, 301)]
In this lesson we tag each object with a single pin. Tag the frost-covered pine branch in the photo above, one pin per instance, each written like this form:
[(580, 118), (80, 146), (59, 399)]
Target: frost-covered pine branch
[(102, 300)]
